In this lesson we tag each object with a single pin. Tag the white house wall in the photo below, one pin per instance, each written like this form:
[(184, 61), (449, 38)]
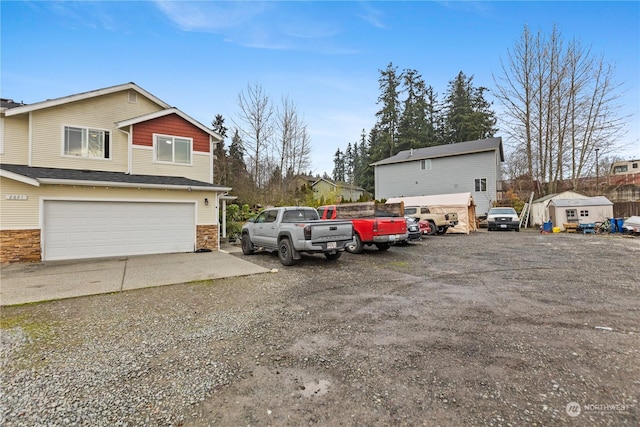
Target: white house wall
[(455, 174)]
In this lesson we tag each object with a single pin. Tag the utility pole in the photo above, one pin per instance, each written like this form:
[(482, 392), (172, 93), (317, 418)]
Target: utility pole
[(597, 174)]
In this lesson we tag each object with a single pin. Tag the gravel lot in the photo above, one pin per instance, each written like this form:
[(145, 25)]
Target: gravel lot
[(494, 329)]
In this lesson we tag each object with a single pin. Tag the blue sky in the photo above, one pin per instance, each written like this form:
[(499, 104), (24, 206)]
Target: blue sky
[(325, 56)]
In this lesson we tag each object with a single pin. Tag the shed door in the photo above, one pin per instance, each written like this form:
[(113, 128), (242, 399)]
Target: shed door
[(78, 229)]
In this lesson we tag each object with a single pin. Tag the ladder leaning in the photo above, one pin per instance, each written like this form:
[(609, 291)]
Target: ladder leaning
[(526, 210)]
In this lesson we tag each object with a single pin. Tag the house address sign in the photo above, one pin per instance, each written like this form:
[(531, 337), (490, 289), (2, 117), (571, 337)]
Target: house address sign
[(16, 197)]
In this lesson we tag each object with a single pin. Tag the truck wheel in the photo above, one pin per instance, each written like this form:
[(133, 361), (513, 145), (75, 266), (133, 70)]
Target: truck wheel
[(433, 228), (285, 252), (332, 256), (247, 246), (383, 246), (356, 246), (443, 230)]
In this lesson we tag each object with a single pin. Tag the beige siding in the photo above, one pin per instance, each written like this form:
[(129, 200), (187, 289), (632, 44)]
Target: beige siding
[(101, 113), (16, 140), (21, 214), (143, 165)]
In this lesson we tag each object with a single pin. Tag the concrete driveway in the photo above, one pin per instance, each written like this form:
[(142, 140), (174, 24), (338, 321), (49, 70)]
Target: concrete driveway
[(27, 283)]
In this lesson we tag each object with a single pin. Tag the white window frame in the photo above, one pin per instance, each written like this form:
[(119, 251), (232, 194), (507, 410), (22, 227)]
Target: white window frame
[(425, 164), (85, 143), (173, 138), (478, 182)]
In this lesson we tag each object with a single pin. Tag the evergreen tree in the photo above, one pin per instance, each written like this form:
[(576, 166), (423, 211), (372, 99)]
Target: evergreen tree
[(338, 166), (434, 118), (349, 162), (221, 163), (413, 127), (468, 116), (388, 115)]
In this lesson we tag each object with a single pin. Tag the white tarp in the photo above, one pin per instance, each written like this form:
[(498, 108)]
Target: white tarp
[(460, 203)]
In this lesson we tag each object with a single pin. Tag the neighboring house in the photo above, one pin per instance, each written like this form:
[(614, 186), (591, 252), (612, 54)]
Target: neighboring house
[(625, 167), (588, 210), (540, 207), (110, 172), (472, 166), (324, 189)]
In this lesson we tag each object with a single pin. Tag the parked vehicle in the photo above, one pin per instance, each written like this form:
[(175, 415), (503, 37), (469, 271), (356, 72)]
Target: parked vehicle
[(413, 229), (425, 227), (503, 219), (292, 230), (379, 231), (439, 223)]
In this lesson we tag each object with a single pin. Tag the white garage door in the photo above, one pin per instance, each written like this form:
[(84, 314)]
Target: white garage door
[(75, 229)]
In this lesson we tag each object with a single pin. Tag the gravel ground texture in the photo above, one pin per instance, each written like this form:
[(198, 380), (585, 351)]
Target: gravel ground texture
[(491, 328)]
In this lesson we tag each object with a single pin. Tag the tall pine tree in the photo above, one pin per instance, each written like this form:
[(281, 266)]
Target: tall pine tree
[(388, 115)]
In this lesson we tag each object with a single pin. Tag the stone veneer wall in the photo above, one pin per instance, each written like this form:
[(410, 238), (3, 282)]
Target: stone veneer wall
[(20, 246), (207, 237)]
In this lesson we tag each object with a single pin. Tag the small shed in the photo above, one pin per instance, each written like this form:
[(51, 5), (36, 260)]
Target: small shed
[(579, 211), (540, 207), (460, 203)]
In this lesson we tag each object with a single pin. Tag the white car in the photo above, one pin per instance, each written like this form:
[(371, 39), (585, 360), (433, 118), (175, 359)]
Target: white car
[(503, 219)]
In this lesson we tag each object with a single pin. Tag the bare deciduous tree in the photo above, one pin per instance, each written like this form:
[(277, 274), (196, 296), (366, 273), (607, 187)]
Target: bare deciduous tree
[(560, 105), (257, 128)]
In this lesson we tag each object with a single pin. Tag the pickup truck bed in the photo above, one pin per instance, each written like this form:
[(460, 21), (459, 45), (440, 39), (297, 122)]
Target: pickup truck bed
[(381, 232)]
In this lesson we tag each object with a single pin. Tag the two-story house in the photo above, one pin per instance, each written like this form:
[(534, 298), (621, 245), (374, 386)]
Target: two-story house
[(327, 190), (110, 172), (472, 166)]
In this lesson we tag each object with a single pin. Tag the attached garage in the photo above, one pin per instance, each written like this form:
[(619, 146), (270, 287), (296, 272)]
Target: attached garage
[(91, 229)]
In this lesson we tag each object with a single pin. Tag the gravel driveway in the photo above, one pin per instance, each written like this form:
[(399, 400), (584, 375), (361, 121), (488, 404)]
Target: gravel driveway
[(496, 328)]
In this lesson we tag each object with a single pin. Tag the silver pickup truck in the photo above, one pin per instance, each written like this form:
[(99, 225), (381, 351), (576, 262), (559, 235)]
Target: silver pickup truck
[(295, 229)]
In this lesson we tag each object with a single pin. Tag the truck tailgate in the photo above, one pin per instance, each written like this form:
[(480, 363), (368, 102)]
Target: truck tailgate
[(391, 226), (331, 230)]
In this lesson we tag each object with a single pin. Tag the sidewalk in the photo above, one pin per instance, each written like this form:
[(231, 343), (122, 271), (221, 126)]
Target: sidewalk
[(27, 283)]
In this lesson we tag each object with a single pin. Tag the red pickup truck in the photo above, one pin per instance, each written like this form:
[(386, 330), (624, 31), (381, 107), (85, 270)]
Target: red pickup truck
[(379, 231)]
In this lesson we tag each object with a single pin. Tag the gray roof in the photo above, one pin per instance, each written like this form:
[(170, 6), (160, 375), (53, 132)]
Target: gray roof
[(445, 150), (116, 179), (9, 103), (587, 201)]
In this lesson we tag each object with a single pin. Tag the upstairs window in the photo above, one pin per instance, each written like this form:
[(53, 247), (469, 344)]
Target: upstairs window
[(425, 165), (172, 149), (481, 185), (86, 142)]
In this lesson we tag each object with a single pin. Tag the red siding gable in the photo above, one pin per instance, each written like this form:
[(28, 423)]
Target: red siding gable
[(172, 125)]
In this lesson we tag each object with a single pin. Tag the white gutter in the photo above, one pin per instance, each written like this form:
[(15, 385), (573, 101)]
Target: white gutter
[(20, 178), (55, 181)]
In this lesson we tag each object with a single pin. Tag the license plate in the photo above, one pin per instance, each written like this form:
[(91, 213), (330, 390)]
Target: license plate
[(503, 225), (392, 238), (331, 245)]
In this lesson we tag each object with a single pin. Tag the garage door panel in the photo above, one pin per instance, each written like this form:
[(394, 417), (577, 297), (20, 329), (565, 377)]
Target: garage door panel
[(76, 229)]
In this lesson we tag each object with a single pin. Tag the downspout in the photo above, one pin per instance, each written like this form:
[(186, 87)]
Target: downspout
[(30, 137), (212, 157), (129, 151)]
